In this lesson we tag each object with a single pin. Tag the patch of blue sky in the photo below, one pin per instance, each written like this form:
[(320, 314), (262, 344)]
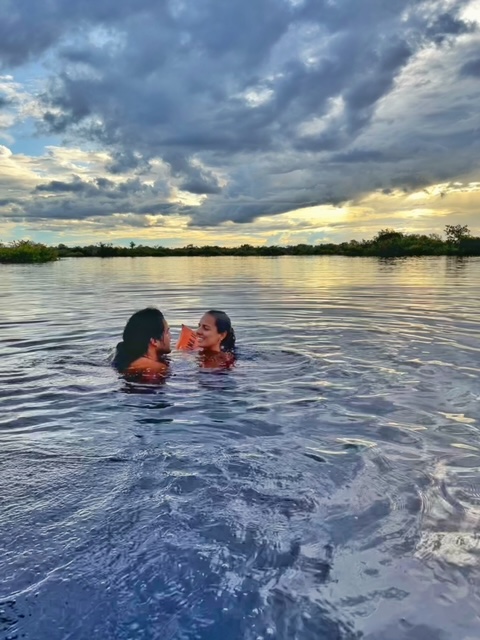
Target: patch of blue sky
[(27, 140), (29, 81)]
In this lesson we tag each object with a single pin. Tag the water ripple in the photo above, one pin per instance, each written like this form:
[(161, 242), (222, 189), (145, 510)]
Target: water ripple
[(322, 488)]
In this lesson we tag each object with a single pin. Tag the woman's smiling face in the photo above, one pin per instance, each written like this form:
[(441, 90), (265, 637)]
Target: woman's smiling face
[(208, 335)]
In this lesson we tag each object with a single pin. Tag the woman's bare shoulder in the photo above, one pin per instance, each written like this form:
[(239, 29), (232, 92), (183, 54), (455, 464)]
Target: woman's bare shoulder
[(217, 360)]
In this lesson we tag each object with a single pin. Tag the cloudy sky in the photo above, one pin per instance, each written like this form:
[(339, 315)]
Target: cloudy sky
[(263, 121)]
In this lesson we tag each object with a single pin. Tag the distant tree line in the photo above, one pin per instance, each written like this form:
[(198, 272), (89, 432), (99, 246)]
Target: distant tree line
[(388, 243), (26, 251)]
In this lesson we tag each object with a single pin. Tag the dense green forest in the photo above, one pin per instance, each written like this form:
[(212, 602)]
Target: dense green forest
[(388, 243), (26, 251)]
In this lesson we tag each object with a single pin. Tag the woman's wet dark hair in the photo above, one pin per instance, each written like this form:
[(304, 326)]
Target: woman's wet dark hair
[(142, 326), (223, 323)]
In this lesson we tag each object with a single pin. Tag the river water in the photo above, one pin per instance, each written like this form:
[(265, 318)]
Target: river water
[(327, 487)]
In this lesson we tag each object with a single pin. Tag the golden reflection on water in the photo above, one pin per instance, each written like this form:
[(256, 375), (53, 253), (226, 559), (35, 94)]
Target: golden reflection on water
[(304, 271)]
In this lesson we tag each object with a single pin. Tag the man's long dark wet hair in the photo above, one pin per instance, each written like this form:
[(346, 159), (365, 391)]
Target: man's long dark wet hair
[(142, 326), (223, 323)]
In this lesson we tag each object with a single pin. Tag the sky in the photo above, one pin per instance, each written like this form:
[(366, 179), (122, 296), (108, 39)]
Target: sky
[(177, 122)]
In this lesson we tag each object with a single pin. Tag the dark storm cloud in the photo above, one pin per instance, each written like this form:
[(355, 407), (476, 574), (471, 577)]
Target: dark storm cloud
[(77, 209), (80, 199), (100, 186), (445, 26), (199, 187), (57, 186), (471, 68), (4, 202), (103, 186), (358, 155), (29, 28), (258, 105)]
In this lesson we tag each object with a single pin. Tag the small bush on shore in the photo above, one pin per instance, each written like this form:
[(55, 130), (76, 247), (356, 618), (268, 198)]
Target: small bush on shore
[(25, 251)]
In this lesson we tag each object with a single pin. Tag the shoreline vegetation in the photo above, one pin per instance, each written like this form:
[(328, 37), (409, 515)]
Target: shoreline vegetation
[(27, 252), (388, 243)]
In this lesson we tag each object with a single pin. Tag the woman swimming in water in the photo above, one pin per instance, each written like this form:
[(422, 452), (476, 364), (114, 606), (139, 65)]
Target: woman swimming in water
[(146, 340), (216, 339)]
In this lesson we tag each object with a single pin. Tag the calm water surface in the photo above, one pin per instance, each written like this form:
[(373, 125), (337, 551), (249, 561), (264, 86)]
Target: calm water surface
[(326, 488)]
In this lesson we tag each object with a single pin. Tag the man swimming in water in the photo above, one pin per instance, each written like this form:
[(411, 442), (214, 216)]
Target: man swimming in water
[(146, 341)]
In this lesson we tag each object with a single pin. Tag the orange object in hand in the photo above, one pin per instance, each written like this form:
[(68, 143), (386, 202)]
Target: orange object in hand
[(188, 339)]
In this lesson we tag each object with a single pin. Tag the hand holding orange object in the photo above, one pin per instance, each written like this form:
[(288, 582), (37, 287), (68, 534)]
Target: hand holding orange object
[(188, 340)]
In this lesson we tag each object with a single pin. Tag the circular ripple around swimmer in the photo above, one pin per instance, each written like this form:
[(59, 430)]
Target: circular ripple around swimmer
[(276, 363), (472, 492), (404, 491), (464, 493), (410, 496), (441, 500)]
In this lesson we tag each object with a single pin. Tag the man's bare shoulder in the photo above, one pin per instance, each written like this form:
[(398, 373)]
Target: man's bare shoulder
[(145, 365)]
